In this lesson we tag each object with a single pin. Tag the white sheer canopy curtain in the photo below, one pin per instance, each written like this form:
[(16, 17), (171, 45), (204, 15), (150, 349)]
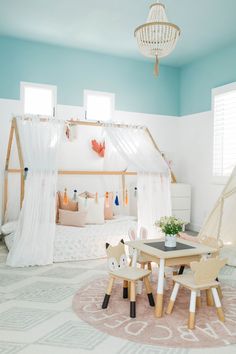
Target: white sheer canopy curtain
[(135, 146), (34, 237)]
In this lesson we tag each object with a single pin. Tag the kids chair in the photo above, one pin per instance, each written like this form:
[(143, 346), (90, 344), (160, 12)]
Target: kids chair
[(203, 278), (119, 269), (214, 243)]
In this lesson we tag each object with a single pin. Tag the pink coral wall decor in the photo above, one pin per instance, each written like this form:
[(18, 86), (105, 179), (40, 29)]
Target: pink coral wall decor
[(99, 148)]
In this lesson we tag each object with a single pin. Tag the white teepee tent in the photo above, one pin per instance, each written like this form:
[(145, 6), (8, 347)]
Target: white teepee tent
[(221, 222)]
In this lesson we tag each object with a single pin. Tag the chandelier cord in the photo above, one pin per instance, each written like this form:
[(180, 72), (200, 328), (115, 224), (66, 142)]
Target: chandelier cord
[(156, 67)]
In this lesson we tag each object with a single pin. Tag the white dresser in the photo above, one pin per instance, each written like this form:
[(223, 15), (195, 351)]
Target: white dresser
[(181, 201)]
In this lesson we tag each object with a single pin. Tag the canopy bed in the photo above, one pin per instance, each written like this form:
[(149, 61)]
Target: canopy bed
[(38, 140)]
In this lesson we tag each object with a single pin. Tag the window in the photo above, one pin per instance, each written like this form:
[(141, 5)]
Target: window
[(224, 150), (99, 105), (38, 99)]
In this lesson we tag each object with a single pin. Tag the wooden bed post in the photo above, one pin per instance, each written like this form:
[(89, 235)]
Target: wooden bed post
[(173, 178), (21, 160), (5, 191), (14, 129)]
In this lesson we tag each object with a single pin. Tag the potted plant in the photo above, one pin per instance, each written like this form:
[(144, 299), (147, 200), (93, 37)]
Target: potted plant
[(171, 226)]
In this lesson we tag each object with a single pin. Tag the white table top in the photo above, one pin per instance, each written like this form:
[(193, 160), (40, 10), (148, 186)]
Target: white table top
[(199, 249)]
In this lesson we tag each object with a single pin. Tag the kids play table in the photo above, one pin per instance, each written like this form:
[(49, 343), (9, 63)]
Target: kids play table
[(155, 251)]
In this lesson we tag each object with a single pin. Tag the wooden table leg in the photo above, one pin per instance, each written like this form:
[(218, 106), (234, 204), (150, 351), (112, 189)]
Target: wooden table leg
[(160, 289)]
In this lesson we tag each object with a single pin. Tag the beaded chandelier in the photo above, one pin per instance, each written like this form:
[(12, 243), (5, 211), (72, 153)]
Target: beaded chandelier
[(157, 38)]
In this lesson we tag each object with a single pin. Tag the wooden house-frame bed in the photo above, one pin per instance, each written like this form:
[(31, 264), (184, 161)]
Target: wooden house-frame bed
[(8, 170), (69, 244)]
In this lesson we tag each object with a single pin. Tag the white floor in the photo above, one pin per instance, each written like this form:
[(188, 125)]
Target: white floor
[(36, 315)]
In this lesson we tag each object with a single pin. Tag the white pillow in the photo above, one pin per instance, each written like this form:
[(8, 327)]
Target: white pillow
[(9, 227), (95, 210), (229, 252)]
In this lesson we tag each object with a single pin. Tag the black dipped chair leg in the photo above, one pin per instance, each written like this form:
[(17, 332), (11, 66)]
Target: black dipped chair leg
[(132, 309), (105, 301), (125, 289), (108, 293), (151, 299)]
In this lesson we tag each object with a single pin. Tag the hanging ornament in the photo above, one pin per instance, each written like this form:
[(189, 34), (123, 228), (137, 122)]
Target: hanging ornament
[(67, 131), (75, 195), (135, 192), (25, 172), (99, 148), (65, 197), (126, 197), (117, 200), (107, 200), (96, 197)]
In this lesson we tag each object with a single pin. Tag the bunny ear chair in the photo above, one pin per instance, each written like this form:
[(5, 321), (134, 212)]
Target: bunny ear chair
[(132, 236), (143, 233)]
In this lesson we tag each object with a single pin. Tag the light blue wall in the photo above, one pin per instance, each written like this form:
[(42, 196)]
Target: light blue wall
[(197, 79), (73, 70), (177, 91)]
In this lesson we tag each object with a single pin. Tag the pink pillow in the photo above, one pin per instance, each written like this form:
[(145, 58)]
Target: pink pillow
[(108, 210), (72, 218), (72, 205)]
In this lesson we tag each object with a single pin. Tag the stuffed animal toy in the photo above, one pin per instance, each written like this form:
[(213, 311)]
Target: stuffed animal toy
[(116, 256)]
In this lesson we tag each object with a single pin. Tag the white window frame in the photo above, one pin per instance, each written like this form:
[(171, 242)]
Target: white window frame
[(99, 93), (53, 88), (214, 92)]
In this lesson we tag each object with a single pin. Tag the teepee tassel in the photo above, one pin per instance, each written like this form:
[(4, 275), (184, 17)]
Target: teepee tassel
[(75, 195), (25, 172), (156, 67), (96, 197), (107, 200), (65, 197), (117, 200), (126, 197)]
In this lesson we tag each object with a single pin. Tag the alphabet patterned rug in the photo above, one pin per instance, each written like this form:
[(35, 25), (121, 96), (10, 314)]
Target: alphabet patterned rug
[(168, 331)]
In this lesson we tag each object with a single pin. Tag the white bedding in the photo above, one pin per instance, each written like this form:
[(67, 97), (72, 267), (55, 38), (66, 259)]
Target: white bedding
[(83, 243)]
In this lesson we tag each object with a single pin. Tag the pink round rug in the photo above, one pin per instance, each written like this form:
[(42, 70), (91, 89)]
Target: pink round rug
[(168, 331)]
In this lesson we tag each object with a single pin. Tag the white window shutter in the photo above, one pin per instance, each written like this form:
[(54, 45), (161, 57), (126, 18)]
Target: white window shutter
[(224, 151)]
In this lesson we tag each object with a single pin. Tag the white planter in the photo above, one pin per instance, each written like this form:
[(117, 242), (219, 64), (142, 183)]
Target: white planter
[(170, 241)]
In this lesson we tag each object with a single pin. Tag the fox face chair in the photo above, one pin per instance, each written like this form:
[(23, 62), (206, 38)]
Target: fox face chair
[(116, 256), (118, 269)]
